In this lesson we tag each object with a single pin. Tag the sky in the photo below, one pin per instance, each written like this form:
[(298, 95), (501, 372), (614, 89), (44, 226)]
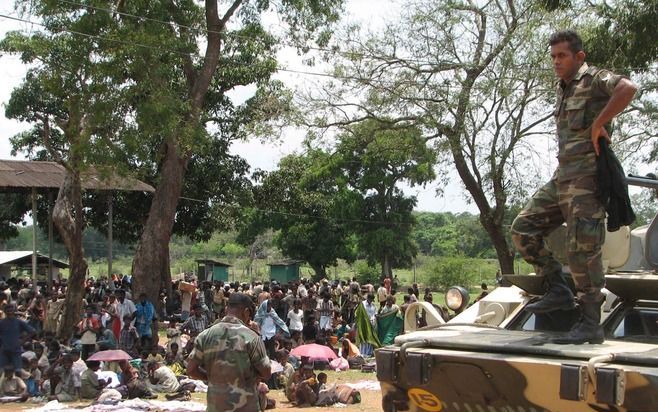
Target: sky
[(373, 14)]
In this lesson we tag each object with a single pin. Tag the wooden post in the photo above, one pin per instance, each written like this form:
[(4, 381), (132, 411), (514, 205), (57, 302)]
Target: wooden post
[(109, 239), (34, 238), (49, 279)]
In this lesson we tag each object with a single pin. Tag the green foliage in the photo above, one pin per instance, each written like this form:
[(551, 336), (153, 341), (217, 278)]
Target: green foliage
[(620, 35), (450, 271), (448, 234), (366, 273), (645, 207), (301, 205), (372, 158)]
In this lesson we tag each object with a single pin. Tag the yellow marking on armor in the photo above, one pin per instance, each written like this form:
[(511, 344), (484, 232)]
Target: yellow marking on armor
[(424, 400)]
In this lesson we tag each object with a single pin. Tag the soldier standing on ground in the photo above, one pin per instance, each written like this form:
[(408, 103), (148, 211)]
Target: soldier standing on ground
[(231, 357), (587, 100)]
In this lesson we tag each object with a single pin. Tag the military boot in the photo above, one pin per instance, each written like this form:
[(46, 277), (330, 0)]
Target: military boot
[(588, 329), (558, 297)]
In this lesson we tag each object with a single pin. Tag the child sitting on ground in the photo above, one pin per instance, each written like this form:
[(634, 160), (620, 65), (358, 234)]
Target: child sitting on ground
[(12, 386)]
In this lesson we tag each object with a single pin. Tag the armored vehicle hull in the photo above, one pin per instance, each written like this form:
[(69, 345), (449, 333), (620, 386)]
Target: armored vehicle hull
[(473, 369)]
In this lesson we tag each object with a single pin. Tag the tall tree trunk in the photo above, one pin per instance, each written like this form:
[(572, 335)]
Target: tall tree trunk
[(319, 270), (152, 255), (153, 248), (387, 270), (68, 217), (503, 252)]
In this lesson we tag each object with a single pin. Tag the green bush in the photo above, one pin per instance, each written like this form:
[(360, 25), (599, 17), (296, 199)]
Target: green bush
[(366, 273), (443, 273)]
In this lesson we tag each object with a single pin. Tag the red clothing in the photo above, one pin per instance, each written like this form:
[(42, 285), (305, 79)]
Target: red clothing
[(387, 285)]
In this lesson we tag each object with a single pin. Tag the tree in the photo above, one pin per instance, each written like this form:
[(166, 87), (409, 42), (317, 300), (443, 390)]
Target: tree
[(303, 206), (67, 100), (373, 158), (14, 207), (178, 90), (466, 75)]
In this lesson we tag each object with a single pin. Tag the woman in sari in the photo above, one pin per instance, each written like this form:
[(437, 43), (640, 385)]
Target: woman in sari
[(366, 334), (389, 322)]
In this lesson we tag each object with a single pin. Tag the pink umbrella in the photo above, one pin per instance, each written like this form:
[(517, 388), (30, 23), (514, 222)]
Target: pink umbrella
[(314, 352), (110, 355)]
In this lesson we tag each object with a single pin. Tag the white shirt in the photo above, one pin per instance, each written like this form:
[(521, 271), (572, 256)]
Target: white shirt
[(268, 328), (296, 319), (382, 294), (125, 308), (166, 379), (301, 290), (78, 367), (371, 310), (186, 301)]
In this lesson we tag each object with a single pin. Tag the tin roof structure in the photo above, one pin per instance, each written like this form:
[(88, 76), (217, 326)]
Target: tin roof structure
[(24, 258), (27, 174)]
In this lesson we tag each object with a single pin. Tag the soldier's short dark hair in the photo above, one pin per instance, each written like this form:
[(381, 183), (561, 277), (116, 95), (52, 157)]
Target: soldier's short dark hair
[(569, 36), (240, 300)]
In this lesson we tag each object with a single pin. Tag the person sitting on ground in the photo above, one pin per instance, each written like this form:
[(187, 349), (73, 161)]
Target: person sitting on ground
[(263, 401), (155, 355), (79, 365), (282, 357), (174, 350), (326, 393), (33, 382), (296, 339), (64, 383), (107, 341), (41, 356), (90, 385), (176, 366), (11, 385), (173, 334), (306, 391), (162, 379), (343, 329), (130, 378)]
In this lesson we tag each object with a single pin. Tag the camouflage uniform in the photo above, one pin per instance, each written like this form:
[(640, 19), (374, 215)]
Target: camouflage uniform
[(570, 195), (229, 352)]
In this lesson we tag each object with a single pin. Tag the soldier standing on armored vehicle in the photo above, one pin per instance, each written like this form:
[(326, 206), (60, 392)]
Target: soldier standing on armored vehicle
[(587, 100)]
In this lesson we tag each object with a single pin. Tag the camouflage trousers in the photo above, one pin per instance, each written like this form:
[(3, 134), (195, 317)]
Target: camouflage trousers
[(574, 202)]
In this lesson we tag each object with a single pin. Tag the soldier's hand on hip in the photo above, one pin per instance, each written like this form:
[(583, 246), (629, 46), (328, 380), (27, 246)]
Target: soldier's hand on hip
[(599, 132)]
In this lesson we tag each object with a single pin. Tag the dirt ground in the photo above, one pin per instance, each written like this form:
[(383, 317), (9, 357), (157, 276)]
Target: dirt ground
[(371, 401)]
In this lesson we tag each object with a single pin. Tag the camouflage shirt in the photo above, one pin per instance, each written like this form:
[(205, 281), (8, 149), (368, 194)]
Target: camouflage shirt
[(230, 352), (578, 104)]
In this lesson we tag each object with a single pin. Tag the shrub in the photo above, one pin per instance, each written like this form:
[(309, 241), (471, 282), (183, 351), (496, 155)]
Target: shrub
[(365, 273), (443, 273)]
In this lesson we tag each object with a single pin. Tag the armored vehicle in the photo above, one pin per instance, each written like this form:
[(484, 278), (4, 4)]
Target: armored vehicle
[(495, 356)]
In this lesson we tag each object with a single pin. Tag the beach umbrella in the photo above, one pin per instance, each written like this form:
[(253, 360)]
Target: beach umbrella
[(314, 352), (109, 355)]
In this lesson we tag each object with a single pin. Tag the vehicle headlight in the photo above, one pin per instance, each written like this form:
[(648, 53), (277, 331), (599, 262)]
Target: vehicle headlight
[(457, 298)]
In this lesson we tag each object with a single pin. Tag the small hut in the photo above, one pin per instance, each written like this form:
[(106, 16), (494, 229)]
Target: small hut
[(212, 270), (16, 262), (285, 271)]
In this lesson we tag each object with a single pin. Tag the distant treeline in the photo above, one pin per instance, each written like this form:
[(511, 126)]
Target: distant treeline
[(436, 234)]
